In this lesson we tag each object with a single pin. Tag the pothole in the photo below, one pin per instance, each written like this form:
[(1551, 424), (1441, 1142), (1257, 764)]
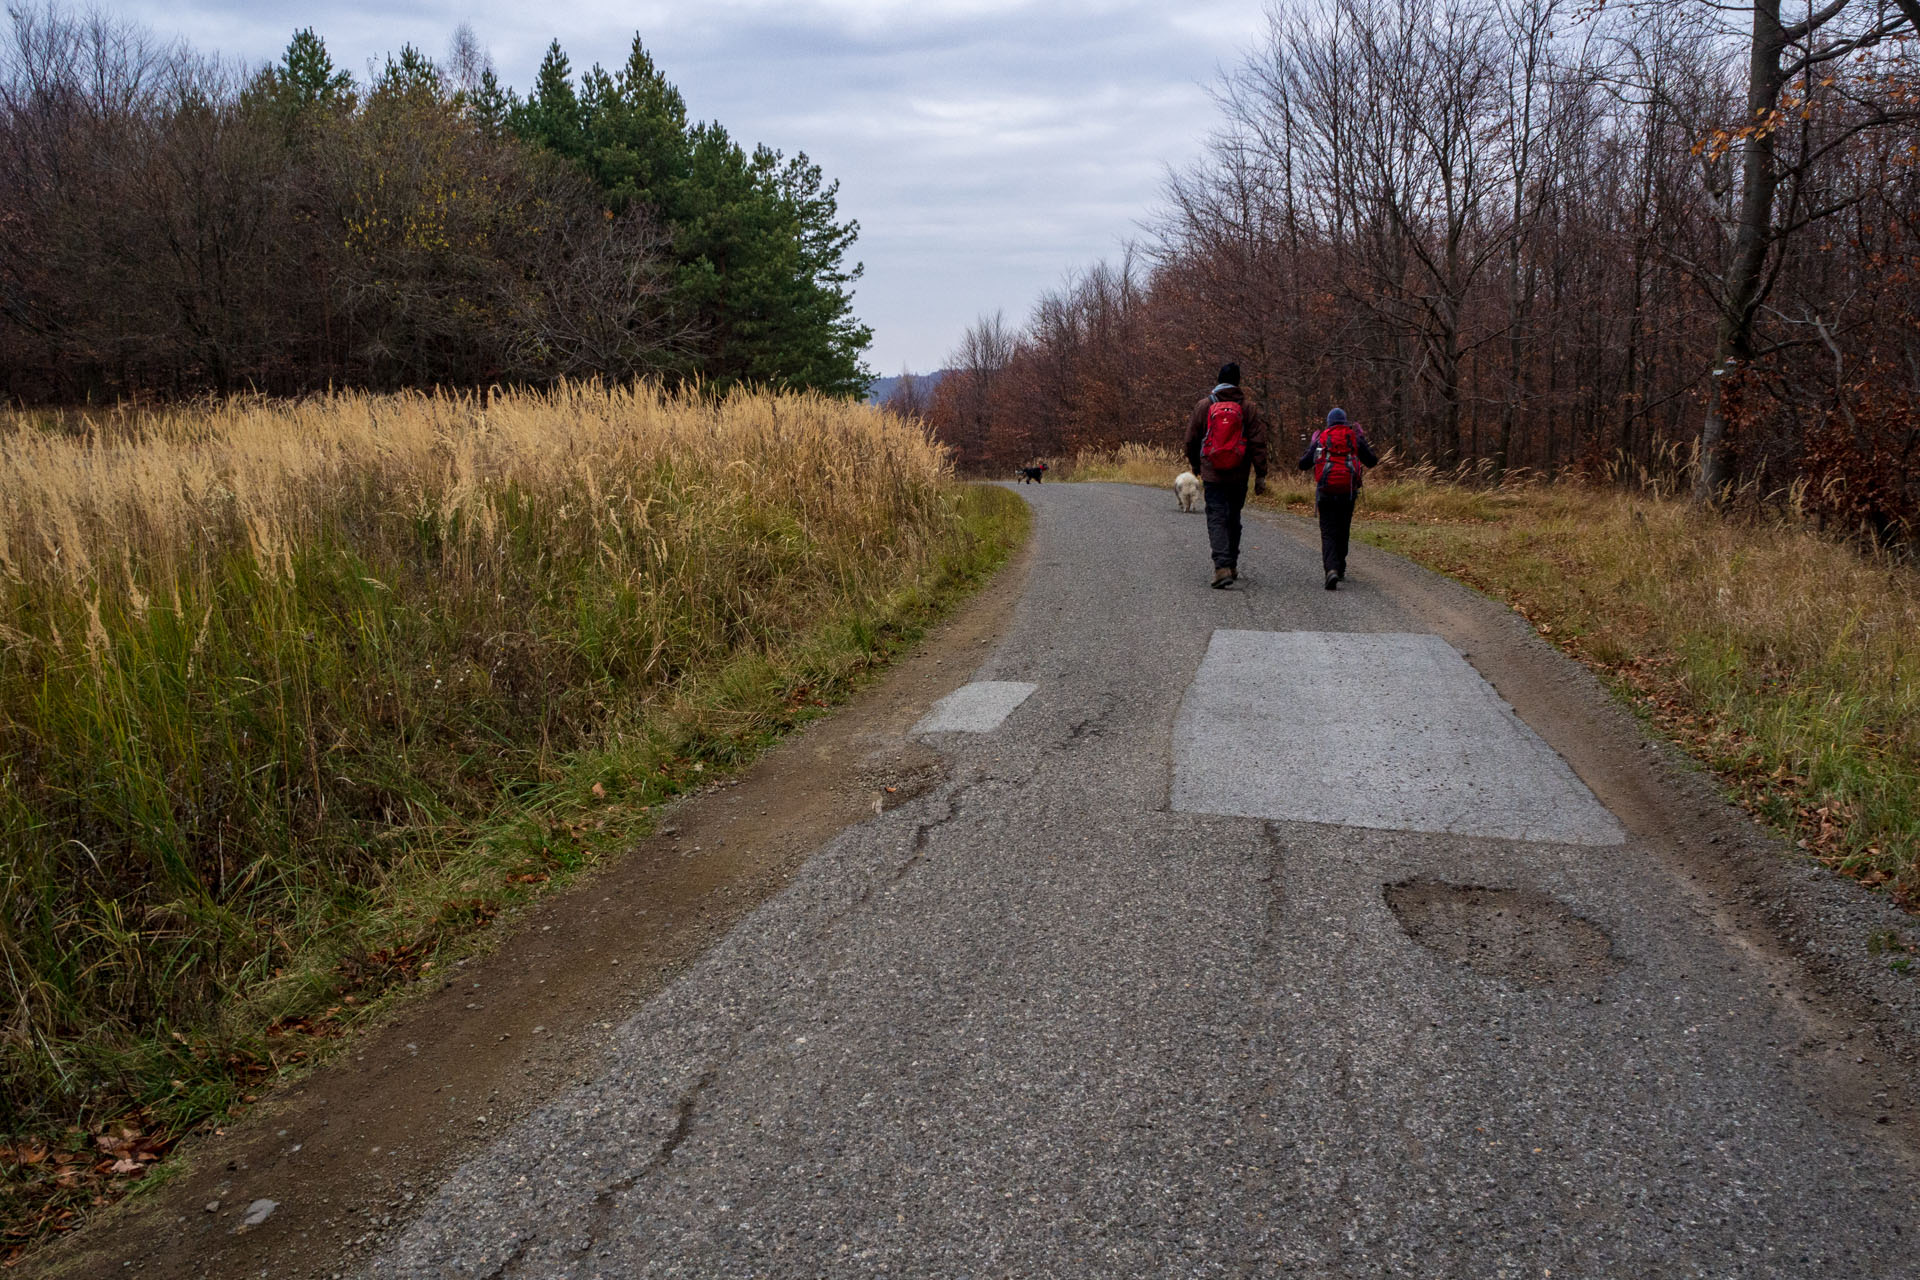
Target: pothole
[(1521, 935), (900, 771)]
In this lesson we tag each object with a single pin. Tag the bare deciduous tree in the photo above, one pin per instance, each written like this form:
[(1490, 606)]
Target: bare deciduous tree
[(1520, 234)]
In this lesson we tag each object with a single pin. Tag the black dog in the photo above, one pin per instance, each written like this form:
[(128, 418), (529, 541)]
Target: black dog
[(1031, 473)]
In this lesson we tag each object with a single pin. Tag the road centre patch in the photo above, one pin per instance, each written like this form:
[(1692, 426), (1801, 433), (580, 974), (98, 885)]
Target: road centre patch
[(1386, 730)]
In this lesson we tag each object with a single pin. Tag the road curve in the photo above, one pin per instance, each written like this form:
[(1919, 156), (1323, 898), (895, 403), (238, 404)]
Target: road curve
[(1097, 1006)]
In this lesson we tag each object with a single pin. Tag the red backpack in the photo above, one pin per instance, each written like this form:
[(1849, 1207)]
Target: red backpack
[(1225, 446), (1336, 463)]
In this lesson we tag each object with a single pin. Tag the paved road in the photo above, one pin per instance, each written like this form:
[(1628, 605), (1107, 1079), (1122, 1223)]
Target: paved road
[(1056, 1018)]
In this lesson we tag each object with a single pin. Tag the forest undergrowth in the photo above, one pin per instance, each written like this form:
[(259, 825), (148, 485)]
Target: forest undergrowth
[(296, 697), (1784, 660)]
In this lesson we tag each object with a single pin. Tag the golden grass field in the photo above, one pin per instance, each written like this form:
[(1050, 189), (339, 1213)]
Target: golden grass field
[(293, 696)]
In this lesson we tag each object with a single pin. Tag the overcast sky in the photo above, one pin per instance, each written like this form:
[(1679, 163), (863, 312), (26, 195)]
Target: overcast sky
[(987, 147)]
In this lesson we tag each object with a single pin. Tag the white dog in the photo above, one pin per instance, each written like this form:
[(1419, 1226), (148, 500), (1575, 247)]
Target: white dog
[(1186, 487)]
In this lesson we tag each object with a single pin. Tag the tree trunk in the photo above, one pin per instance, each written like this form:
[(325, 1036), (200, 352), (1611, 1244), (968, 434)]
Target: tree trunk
[(1516, 367), (1453, 435), (1747, 259)]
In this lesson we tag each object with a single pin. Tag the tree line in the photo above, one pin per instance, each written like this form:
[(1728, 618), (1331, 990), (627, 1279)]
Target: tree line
[(173, 225), (1670, 239)]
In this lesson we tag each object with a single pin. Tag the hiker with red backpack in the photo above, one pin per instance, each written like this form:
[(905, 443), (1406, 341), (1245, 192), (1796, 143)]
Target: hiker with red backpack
[(1227, 446), (1339, 455)]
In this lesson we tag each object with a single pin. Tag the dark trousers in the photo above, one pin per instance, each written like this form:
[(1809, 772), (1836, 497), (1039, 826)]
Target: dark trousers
[(1336, 526), (1224, 500)]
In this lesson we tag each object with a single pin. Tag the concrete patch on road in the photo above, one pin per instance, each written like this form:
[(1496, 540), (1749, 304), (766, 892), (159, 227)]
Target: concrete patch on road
[(975, 708), (1386, 730)]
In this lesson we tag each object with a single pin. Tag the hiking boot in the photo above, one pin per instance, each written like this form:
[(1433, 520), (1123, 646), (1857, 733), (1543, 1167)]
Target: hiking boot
[(1233, 573), (1222, 576), (1339, 575), (1333, 579)]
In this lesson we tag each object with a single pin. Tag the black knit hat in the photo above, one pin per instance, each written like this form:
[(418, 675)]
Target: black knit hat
[(1229, 374)]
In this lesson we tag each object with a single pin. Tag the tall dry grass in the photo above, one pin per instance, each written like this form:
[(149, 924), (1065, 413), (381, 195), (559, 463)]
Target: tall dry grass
[(285, 686), (1128, 464)]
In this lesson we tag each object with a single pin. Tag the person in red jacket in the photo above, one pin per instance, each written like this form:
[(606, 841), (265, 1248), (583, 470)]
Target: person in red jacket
[(1338, 454), (1227, 446)]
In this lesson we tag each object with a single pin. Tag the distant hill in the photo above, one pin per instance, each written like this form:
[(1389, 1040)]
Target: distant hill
[(882, 388)]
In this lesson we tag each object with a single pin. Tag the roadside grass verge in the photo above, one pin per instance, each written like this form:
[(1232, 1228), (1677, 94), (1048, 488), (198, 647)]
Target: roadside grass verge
[(1785, 662), (296, 697)]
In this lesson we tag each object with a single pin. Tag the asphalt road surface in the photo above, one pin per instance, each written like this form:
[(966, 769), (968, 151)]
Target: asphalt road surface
[(1251, 934)]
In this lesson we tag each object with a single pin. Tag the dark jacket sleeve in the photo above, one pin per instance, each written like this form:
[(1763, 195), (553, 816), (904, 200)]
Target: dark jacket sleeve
[(1367, 456), (1306, 459), (1196, 433), (1257, 442)]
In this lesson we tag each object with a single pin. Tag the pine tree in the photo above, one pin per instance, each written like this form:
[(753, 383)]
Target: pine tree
[(760, 275), (412, 77), (550, 116), (307, 76), (823, 318), (491, 106), (637, 145)]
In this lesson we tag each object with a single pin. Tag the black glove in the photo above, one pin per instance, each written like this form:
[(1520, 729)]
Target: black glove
[(1259, 484)]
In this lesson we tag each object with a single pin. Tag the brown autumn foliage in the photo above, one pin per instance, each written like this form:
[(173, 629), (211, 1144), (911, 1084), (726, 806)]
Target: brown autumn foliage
[(171, 225), (1509, 234)]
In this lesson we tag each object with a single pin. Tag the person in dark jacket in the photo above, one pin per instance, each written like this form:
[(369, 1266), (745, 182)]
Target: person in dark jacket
[(1226, 489), (1335, 504)]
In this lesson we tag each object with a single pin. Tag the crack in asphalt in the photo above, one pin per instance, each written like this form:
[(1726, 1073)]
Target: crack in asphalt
[(834, 945), (923, 833), (686, 1107), (602, 1206), (1091, 725), (683, 1113), (1271, 914), (684, 1110)]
